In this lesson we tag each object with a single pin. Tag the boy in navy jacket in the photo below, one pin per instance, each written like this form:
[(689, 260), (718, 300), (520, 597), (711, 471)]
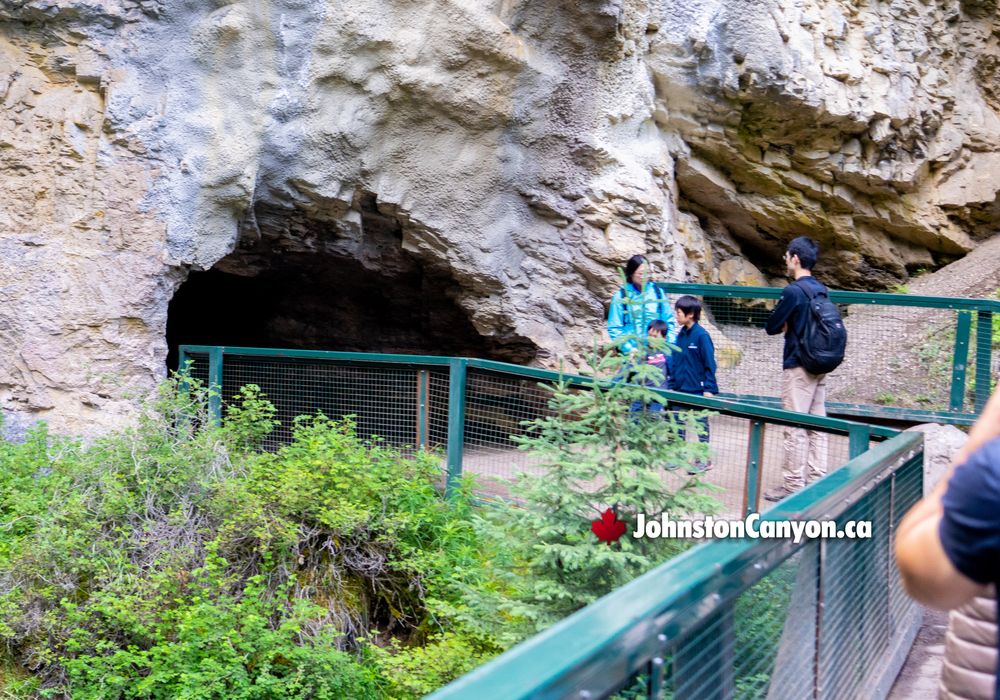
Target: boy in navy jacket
[(692, 369)]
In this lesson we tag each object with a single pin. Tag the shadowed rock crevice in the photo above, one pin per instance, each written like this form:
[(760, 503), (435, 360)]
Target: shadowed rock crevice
[(336, 280)]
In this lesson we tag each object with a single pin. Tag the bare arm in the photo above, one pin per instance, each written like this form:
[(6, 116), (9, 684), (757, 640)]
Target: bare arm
[(928, 574)]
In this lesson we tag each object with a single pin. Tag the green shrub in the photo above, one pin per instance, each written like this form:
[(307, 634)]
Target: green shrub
[(416, 671), (173, 559)]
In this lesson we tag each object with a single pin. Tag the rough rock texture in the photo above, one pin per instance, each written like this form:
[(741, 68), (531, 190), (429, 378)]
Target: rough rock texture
[(488, 162), (941, 444)]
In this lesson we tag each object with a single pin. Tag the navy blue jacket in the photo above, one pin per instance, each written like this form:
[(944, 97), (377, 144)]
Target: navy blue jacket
[(793, 309), (659, 360), (692, 369)]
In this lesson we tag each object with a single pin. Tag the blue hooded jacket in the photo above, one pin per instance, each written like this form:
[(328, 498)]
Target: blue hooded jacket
[(632, 311)]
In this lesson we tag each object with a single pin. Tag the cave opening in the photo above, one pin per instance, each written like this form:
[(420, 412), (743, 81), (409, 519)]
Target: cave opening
[(337, 281)]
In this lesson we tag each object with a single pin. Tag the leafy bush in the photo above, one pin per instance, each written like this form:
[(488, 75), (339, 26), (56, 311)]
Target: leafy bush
[(173, 559)]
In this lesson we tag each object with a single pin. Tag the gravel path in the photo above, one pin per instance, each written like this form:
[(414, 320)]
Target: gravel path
[(729, 439), (920, 674)]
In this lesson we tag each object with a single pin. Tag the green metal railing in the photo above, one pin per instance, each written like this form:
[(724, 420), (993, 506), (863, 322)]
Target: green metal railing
[(470, 410), (825, 618), (908, 356)]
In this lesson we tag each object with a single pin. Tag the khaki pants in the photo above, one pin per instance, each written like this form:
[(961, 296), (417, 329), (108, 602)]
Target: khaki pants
[(804, 393)]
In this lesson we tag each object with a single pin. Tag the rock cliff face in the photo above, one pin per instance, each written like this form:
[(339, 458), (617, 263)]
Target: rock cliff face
[(468, 173)]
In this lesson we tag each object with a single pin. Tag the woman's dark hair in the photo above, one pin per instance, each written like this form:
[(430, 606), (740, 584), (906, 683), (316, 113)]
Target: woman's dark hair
[(631, 266), (660, 326), (689, 305), (807, 249)]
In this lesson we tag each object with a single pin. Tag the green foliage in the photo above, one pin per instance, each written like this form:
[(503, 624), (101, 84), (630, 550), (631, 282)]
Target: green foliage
[(886, 398), (208, 644), (250, 418), (899, 289), (417, 671), (595, 452), (176, 558), (173, 559), (759, 617), (15, 683)]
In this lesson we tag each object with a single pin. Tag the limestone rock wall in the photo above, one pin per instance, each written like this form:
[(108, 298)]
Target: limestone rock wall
[(519, 150)]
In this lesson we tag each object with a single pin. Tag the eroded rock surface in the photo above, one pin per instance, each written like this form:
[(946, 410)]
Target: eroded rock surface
[(509, 155)]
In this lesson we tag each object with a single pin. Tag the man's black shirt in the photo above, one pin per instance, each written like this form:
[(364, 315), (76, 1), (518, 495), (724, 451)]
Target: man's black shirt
[(970, 523), (792, 308)]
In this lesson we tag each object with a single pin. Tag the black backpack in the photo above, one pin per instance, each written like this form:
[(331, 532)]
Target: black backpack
[(824, 340)]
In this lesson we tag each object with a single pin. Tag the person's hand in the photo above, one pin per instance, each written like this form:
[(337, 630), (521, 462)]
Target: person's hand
[(709, 394), (784, 328)]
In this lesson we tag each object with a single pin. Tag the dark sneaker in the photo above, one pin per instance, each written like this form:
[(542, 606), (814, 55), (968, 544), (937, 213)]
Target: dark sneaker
[(699, 467), (777, 494)]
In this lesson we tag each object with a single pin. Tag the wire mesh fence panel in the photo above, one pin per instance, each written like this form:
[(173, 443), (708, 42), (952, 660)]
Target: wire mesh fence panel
[(438, 383), (729, 441), (855, 625), (907, 489), (407, 406), (777, 619), (759, 645), (918, 358), (497, 408), (500, 407), (197, 367), (399, 406), (825, 450), (896, 356)]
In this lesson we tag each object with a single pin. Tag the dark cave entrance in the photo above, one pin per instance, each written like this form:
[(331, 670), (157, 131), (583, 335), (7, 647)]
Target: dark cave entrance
[(339, 282)]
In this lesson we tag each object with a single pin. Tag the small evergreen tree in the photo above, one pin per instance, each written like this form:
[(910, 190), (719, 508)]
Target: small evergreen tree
[(601, 447)]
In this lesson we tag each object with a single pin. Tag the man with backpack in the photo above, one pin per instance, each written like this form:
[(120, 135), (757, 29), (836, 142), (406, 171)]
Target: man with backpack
[(815, 339)]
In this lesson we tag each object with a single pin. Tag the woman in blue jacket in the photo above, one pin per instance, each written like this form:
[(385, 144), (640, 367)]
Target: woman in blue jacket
[(635, 305)]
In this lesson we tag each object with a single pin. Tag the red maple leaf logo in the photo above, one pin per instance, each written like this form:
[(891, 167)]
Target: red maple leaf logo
[(609, 528)]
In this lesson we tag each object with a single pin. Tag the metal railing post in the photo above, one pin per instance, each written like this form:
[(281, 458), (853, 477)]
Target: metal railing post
[(755, 449), (215, 385), (984, 357), (960, 360), (858, 437), (183, 371), (820, 607), (457, 374), (423, 390)]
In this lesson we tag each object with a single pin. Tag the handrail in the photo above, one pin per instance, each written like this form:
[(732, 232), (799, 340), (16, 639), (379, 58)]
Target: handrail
[(605, 642), (838, 296), (971, 313), (747, 410)]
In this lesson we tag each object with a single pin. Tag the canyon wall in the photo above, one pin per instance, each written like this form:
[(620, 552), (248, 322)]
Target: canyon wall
[(485, 166)]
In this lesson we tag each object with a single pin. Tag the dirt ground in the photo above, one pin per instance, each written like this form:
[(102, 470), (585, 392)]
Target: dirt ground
[(920, 674), (728, 444)]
